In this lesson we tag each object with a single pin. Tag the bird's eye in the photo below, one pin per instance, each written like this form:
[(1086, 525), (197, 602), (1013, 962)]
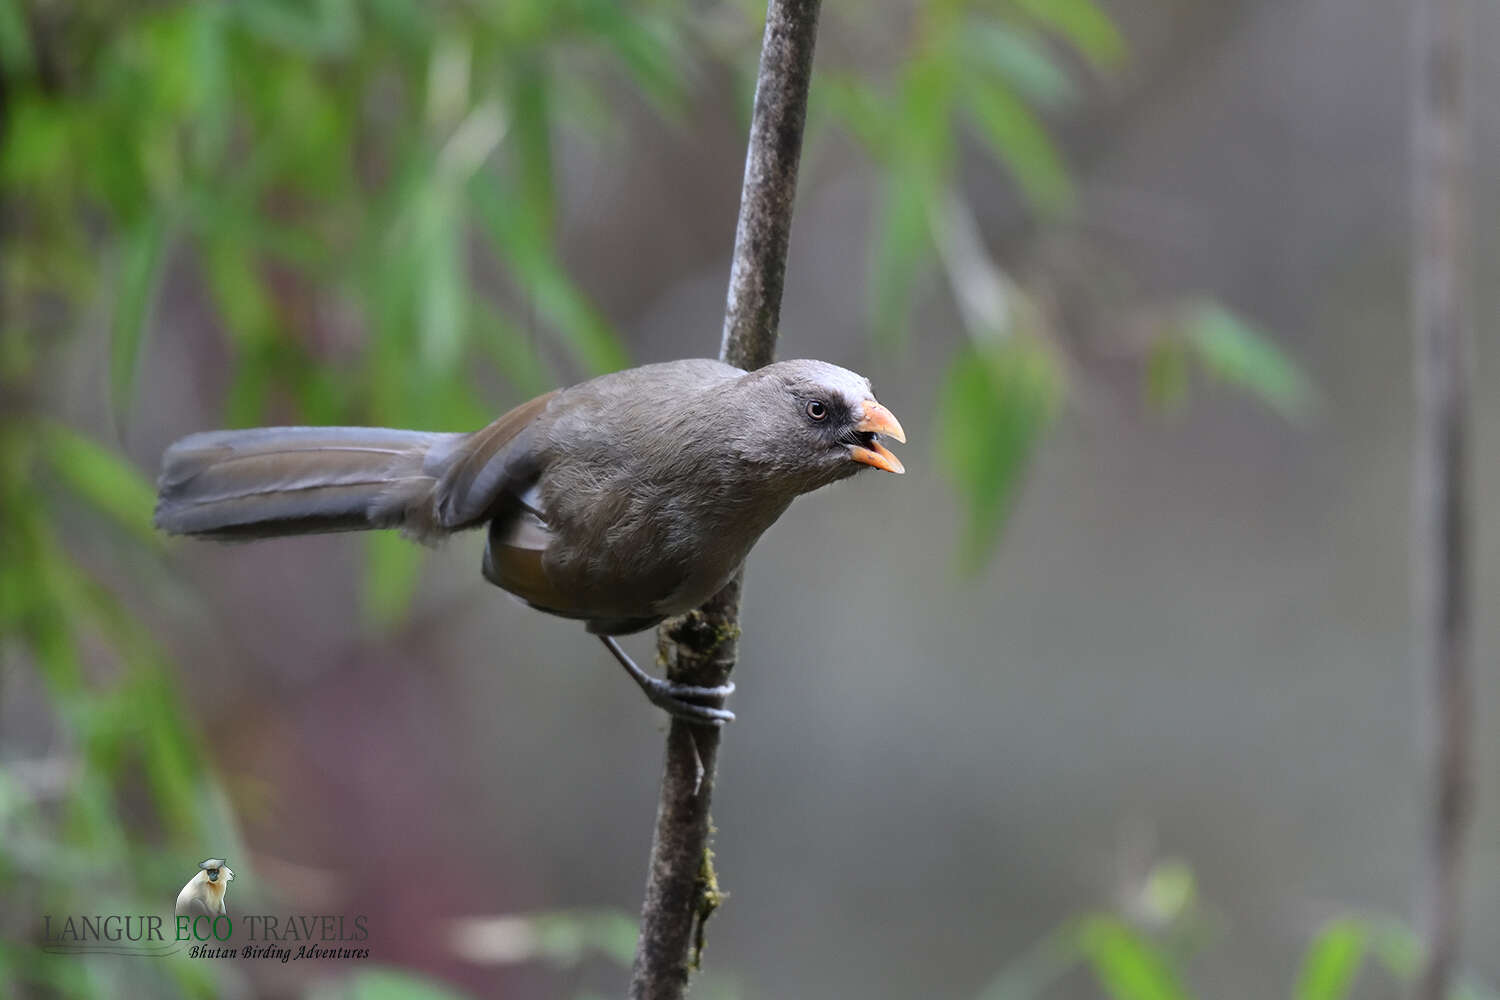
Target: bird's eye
[(816, 409)]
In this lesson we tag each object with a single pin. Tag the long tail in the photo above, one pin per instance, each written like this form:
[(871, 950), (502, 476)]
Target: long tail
[(296, 480)]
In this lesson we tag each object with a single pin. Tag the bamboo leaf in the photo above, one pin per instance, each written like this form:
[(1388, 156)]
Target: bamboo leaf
[(901, 251), (531, 101), (1084, 24), (1332, 961), (384, 984), (102, 479), (1015, 135), (1125, 963), (393, 567), (140, 271), (15, 40), (1021, 60), (1234, 351), (313, 27), (517, 237), (512, 350), (647, 44), (997, 401), (1167, 374), (858, 106), (437, 254)]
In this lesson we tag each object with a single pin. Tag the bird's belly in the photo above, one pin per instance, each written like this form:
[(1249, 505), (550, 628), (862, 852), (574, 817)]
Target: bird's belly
[(697, 587), (639, 581), (646, 563), (644, 580)]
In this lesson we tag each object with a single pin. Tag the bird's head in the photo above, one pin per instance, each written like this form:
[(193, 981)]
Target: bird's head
[(826, 423)]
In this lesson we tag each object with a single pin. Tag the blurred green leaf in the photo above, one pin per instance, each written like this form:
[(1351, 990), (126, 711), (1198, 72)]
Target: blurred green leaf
[(902, 249), (561, 937), (1127, 965), (437, 252), (856, 105), (513, 351), (996, 402), (1231, 349), (240, 292), (15, 39), (1167, 374), (1022, 60), (1332, 961), (567, 936), (140, 270), (102, 479), (316, 27), (1029, 976), (1015, 135), (531, 105), (924, 127), (1397, 948), (393, 568), (1169, 893), (1399, 951), (515, 235), (38, 142), (649, 46), (919, 162), (209, 86), (409, 21), (1084, 24), (384, 984)]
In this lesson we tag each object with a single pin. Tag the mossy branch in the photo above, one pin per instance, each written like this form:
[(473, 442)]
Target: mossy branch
[(1442, 591), (700, 647)]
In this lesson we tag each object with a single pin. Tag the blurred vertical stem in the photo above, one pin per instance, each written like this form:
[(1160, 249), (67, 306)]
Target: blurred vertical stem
[(700, 647), (1440, 504)]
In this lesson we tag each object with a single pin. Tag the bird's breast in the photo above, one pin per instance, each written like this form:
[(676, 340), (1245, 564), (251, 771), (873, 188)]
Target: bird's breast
[(626, 546)]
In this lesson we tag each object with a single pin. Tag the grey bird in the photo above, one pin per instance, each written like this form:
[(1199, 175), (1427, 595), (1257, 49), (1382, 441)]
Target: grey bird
[(619, 501)]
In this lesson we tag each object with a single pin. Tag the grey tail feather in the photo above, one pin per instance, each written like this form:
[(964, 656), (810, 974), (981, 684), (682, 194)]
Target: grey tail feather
[(274, 481)]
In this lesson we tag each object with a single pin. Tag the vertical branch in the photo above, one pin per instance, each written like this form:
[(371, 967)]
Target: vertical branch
[(1440, 505), (700, 647), (753, 310)]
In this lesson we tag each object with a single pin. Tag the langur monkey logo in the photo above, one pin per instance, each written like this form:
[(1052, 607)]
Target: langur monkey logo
[(204, 893)]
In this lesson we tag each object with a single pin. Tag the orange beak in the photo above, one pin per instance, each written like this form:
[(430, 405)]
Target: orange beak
[(876, 419)]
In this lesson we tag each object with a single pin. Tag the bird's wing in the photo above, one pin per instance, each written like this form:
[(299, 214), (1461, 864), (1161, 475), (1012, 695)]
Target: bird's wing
[(513, 557), (486, 465)]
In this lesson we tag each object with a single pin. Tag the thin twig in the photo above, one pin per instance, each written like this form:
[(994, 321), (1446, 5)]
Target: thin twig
[(700, 647), (1440, 503)]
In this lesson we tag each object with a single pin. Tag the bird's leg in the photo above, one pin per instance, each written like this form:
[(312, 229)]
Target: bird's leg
[(671, 696)]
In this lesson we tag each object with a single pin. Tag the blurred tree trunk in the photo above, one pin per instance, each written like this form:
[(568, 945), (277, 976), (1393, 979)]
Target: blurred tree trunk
[(700, 647), (1440, 501)]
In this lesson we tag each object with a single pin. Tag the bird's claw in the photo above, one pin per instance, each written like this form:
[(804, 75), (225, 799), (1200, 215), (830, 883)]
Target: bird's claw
[(676, 699), (673, 698)]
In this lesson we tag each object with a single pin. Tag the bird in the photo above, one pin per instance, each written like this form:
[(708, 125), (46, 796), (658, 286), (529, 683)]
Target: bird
[(204, 893), (618, 502)]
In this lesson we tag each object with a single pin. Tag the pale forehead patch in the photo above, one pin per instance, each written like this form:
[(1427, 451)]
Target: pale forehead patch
[(821, 375)]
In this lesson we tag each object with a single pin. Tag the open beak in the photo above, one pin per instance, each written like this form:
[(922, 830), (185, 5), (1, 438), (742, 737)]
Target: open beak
[(875, 421)]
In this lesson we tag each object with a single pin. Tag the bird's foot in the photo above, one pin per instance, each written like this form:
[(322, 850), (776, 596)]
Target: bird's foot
[(680, 700)]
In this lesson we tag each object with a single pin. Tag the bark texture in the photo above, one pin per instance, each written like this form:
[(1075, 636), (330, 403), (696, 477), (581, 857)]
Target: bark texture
[(700, 647), (1441, 591)]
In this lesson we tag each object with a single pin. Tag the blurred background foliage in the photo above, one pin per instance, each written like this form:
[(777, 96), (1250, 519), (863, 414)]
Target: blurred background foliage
[(368, 192)]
